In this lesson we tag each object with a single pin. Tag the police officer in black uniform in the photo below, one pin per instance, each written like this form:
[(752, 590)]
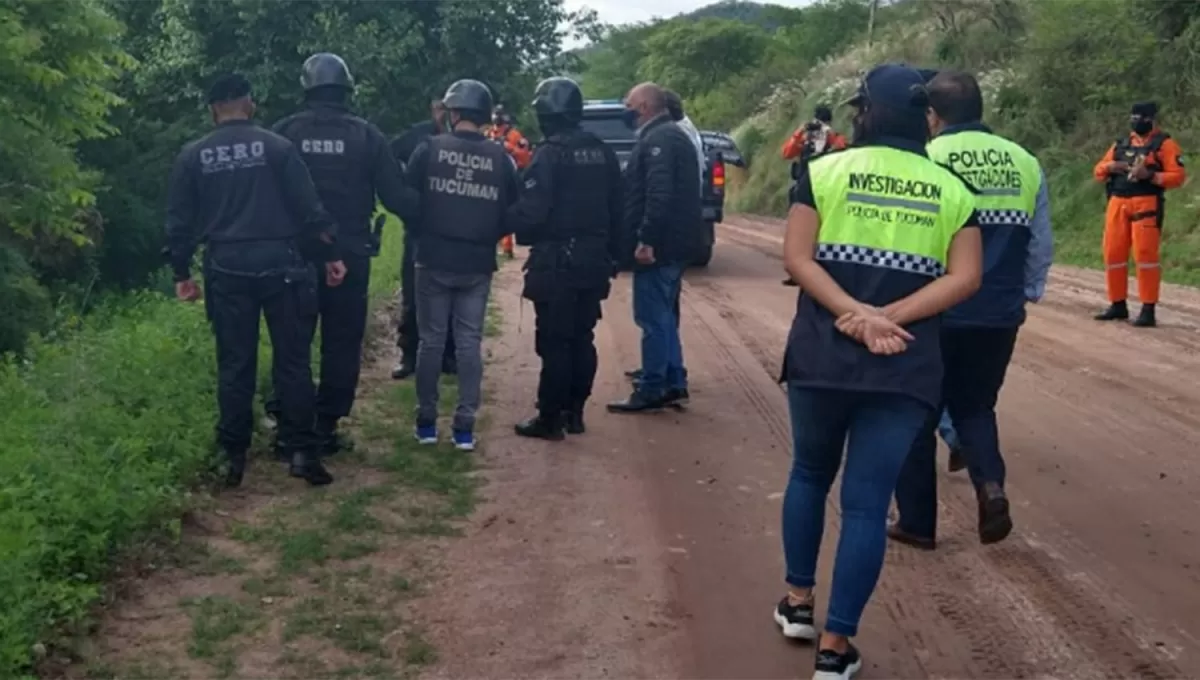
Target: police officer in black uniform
[(571, 213), (407, 336), (351, 163), (246, 194)]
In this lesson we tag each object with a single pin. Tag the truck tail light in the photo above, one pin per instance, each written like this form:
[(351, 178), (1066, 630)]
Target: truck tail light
[(718, 174)]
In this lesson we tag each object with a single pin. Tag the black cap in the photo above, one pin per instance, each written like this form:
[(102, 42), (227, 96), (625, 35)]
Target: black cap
[(468, 95), (227, 88), (325, 69), (1145, 109), (894, 86), (823, 114), (558, 97)]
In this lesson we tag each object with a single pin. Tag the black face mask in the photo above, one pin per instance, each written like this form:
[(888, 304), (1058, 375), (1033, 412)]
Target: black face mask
[(1142, 127), (630, 116)]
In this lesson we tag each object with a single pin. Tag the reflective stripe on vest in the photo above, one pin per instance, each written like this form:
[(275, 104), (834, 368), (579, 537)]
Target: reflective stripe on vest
[(1006, 176), (883, 207)]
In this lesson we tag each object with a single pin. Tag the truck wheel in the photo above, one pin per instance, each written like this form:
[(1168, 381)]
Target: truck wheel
[(705, 257)]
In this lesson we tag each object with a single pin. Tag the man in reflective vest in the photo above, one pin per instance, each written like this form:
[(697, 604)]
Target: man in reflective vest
[(1137, 171), (978, 335), (503, 131)]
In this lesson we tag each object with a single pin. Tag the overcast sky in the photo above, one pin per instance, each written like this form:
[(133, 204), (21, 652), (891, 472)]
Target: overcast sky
[(628, 11)]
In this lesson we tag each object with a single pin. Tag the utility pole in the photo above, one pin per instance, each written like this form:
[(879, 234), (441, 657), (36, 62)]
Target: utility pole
[(871, 21)]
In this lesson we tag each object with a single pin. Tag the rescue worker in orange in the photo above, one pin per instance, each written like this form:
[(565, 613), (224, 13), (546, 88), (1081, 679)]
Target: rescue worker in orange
[(504, 132), (1137, 171), (817, 131), (810, 140)]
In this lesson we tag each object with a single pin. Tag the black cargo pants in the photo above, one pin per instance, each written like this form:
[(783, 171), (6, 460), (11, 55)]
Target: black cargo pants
[(235, 303), (564, 338), (342, 316), (407, 336)]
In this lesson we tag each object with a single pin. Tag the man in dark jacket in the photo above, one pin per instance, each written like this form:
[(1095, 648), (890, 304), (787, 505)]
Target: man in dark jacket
[(571, 213), (351, 164), (246, 194), (406, 334), (662, 207), (467, 183)]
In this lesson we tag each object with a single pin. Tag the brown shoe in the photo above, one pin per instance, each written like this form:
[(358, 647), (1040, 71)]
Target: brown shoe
[(995, 522), (895, 533)]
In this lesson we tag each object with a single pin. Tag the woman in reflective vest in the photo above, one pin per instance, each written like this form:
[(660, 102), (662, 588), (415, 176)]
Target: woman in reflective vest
[(881, 240)]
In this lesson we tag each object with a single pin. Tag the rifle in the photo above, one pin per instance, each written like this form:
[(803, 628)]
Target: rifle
[(376, 240)]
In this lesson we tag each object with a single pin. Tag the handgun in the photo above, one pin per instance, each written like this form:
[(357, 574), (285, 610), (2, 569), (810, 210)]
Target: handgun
[(377, 234)]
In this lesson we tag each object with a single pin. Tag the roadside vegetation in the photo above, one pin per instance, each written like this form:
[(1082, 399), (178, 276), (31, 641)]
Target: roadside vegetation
[(1059, 77), (281, 581)]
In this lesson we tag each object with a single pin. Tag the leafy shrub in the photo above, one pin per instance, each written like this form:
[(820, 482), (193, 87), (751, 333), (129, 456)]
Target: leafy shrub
[(99, 438)]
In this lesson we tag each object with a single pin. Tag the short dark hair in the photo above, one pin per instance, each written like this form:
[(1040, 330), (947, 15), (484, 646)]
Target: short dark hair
[(823, 114), (674, 104), (955, 97), (227, 88)]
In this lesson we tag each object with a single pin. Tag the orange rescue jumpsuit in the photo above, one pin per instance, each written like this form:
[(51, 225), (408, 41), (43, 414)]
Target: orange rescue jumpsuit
[(518, 147), (1135, 211), (795, 144)]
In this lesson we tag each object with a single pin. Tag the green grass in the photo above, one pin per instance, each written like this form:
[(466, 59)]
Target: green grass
[(217, 624), (103, 453)]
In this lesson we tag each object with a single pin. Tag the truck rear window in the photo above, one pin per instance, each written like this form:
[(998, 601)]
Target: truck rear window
[(607, 128)]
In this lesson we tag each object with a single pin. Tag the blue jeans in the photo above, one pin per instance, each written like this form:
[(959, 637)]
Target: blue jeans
[(655, 292), (946, 431), (878, 431)]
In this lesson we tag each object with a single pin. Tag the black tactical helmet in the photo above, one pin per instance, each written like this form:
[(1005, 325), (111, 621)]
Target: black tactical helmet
[(468, 95), (325, 68), (558, 97)]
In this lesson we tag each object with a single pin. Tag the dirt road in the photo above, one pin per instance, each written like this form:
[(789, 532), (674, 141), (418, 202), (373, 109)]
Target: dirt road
[(650, 546)]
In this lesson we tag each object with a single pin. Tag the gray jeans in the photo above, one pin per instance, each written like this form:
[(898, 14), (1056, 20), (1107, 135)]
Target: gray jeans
[(445, 298)]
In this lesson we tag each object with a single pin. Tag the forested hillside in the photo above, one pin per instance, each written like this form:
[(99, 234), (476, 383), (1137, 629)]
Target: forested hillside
[(1059, 77)]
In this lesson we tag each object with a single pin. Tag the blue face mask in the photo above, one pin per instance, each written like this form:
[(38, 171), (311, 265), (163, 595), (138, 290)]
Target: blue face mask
[(630, 116)]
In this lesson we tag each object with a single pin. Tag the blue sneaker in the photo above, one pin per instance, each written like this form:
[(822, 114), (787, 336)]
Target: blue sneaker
[(427, 434), (464, 440)]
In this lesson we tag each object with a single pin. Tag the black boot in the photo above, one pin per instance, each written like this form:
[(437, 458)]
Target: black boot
[(637, 402), (573, 421), (677, 397), (281, 449), (1116, 311), (1145, 319), (995, 522), (329, 439), (308, 467), (403, 369), (790, 282), (236, 468), (542, 427)]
